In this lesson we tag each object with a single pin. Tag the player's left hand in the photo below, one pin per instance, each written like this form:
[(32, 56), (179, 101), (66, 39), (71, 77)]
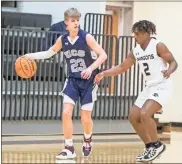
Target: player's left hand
[(166, 74), (86, 74)]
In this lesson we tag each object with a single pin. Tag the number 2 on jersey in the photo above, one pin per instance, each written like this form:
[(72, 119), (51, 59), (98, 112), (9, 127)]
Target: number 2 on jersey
[(146, 70)]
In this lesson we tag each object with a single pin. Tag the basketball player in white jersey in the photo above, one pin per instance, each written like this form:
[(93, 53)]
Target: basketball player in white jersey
[(157, 64)]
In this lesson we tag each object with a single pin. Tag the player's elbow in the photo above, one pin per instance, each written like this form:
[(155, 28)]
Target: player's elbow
[(122, 68), (176, 64), (50, 52), (104, 56)]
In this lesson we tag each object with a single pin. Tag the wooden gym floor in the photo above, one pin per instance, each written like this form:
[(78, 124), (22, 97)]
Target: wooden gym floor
[(107, 149)]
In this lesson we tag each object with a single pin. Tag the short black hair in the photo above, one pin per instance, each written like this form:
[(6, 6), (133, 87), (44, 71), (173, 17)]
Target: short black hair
[(144, 26)]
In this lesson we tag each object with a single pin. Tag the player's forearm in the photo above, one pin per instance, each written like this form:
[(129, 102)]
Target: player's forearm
[(116, 70), (172, 66), (100, 60), (42, 55)]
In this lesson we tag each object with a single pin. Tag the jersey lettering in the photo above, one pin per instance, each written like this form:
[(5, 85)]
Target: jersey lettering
[(146, 57), (73, 52)]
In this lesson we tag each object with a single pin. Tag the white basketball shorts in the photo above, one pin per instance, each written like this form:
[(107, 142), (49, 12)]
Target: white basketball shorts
[(161, 93)]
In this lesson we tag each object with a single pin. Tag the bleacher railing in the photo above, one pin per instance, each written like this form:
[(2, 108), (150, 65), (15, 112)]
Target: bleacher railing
[(40, 97)]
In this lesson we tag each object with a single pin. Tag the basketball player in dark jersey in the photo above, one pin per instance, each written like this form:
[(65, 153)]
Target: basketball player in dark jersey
[(82, 67)]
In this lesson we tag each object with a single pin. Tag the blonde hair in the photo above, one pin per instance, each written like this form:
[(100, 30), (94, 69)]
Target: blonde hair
[(72, 12)]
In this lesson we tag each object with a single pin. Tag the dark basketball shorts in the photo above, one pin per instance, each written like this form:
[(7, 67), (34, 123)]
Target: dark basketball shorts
[(80, 89)]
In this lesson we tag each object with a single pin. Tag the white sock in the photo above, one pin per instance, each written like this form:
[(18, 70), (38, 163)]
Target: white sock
[(87, 135), (69, 142)]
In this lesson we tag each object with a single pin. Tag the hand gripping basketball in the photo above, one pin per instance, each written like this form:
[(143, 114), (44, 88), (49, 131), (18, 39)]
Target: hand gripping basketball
[(25, 67)]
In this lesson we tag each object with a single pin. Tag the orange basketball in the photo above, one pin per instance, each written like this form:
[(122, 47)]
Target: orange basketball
[(25, 67)]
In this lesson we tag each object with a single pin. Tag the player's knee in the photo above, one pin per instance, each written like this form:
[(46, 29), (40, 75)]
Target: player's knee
[(133, 118), (86, 119), (143, 115), (67, 113)]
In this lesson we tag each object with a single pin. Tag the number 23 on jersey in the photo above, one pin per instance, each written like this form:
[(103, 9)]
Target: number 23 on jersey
[(77, 65)]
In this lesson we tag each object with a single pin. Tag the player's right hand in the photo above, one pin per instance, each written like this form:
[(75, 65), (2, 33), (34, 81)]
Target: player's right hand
[(166, 74), (98, 78), (86, 74)]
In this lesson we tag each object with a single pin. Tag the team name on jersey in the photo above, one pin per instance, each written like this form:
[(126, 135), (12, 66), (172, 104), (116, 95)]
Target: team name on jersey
[(73, 52), (146, 57)]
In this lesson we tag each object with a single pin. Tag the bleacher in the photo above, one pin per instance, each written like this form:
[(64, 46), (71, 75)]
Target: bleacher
[(23, 33), (25, 99), (25, 20)]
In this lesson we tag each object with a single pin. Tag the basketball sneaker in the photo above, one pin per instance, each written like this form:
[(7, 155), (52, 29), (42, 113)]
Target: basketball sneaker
[(87, 146), (153, 153), (144, 152), (67, 153)]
